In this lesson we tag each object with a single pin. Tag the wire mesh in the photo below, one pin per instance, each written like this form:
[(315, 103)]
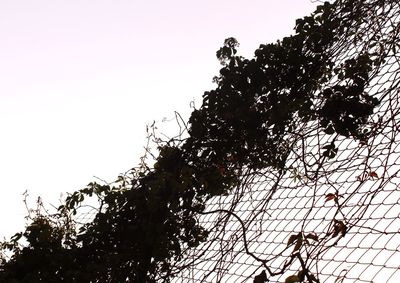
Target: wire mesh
[(337, 218)]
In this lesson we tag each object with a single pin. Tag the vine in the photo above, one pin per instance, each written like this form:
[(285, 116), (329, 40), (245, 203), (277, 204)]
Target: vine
[(148, 220)]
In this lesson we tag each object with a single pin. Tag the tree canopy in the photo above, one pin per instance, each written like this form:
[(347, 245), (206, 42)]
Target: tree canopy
[(149, 217)]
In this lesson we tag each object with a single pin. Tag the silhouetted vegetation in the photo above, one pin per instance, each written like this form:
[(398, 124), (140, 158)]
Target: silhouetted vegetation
[(148, 218)]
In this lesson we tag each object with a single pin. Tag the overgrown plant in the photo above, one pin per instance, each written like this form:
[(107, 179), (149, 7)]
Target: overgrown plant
[(147, 220)]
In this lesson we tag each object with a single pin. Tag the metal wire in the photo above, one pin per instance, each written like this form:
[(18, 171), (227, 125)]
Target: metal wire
[(350, 205), (346, 210)]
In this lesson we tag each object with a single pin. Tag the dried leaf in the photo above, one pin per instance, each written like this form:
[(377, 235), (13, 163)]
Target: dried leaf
[(329, 197), (298, 244), (312, 236), (339, 227), (292, 279), (292, 239), (373, 175), (261, 278)]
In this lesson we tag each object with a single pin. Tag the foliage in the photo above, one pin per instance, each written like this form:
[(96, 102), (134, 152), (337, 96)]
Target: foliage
[(248, 116), (145, 222)]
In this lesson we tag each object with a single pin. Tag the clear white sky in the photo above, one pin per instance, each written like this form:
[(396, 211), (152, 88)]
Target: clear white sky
[(80, 79)]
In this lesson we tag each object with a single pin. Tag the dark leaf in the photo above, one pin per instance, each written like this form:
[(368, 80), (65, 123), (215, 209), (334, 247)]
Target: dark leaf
[(261, 278), (330, 196), (292, 279), (312, 236)]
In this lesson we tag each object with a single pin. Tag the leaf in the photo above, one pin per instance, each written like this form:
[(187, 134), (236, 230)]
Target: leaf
[(312, 236), (298, 244), (261, 278), (301, 274), (292, 279), (330, 150), (330, 196), (292, 239), (295, 238), (16, 237), (373, 175), (339, 227)]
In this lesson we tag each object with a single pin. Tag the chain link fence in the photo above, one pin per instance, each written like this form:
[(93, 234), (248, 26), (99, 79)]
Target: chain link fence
[(334, 212)]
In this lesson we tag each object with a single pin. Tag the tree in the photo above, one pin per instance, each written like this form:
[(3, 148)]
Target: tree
[(147, 219)]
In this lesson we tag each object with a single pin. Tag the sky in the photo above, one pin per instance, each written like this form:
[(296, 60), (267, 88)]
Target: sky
[(79, 81)]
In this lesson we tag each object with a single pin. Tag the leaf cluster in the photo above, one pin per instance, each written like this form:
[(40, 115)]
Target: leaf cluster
[(145, 223), (258, 102)]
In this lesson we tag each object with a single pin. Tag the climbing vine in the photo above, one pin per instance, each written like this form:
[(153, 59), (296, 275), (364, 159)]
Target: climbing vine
[(146, 220)]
